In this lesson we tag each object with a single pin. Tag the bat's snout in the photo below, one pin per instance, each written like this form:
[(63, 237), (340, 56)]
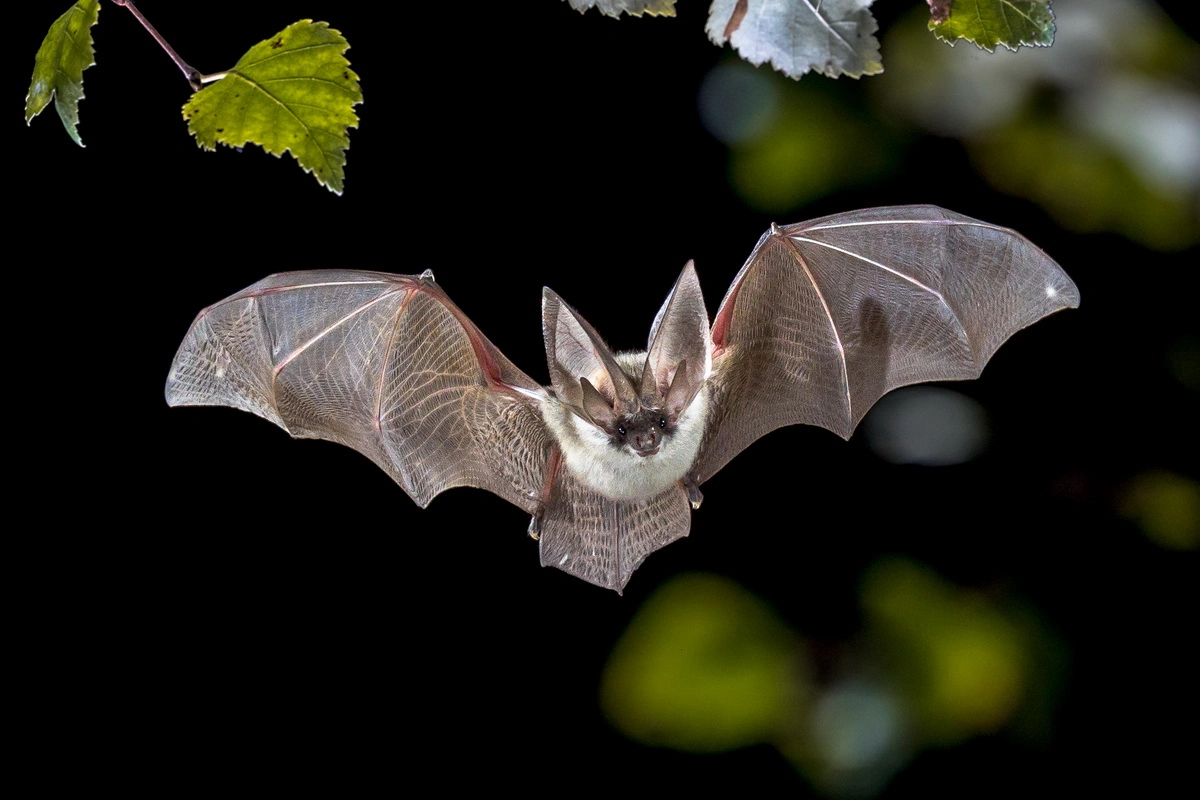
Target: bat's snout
[(647, 444)]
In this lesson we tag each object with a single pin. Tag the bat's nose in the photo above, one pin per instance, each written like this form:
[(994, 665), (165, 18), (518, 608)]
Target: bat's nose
[(646, 444)]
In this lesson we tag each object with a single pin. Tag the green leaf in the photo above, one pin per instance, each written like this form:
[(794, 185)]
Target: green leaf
[(59, 64), (613, 8), (989, 23), (293, 92)]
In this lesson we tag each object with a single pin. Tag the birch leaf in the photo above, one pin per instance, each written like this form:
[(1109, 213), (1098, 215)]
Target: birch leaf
[(635, 8), (833, 37), (293, 92), (59, 64), (988, 23)]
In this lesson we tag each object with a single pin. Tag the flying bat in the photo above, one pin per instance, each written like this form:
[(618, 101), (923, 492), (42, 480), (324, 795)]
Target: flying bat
[(823, 319)]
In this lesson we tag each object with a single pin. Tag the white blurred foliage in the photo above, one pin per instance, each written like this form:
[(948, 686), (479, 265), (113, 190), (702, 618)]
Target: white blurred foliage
[(859, 730), (1154, 126), (926, 425), (737, 104), (1153, 120)]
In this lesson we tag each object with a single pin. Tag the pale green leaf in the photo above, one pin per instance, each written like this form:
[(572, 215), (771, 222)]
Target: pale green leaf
[(58, 67), (293, 92), (1166, 506), (833, 37), (613, 8), (704, 666), (988, 23)]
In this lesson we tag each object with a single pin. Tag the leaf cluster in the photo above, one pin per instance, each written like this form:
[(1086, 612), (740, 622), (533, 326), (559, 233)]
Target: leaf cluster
[(293, 92), (837, 37)]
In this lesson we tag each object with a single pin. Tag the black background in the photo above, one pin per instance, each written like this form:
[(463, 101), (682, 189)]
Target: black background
[(203, 600)]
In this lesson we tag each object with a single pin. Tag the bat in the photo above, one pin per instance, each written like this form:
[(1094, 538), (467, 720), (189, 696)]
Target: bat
[(823, 319)]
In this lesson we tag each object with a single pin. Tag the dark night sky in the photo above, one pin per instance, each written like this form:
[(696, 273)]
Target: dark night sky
[(216, 597)]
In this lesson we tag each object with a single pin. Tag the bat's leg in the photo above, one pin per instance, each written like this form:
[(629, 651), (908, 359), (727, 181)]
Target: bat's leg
[(695, 496), (535, 522)]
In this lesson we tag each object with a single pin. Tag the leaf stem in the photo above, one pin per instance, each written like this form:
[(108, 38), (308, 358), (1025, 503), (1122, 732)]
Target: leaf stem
[(193, 75)]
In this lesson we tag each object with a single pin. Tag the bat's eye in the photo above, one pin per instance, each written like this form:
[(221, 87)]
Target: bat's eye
[(662, 422), (621, 430)]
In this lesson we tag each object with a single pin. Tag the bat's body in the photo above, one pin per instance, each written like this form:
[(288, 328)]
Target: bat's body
[(823, 319)]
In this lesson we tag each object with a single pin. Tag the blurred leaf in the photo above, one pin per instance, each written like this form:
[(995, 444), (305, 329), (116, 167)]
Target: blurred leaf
[(1167, 509), (834, 37), (293, 92), (814, 145), (988, 23), (704, 666), (1183, 358), (59, 64), (613, 8), (966, 664), (1085, 184)]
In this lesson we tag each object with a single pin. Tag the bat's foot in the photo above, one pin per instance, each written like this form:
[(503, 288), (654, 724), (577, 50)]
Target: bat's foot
[(695, 496), (535, 526)]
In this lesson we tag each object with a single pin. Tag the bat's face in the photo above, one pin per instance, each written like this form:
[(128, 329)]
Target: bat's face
[(641, 427), (642, 434), (628, 450)]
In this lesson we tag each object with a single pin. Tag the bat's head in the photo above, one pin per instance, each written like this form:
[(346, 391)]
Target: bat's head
[(637, 400)]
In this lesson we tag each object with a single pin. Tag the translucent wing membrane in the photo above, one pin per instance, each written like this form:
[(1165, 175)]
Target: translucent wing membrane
[(382, 363), (828, 315), (603, 540)]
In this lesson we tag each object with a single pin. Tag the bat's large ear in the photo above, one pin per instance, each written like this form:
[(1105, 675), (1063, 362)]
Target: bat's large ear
[(574, 351), (596, 407), (678, 358)]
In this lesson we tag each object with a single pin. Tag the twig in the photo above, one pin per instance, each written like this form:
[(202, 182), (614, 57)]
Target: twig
[(193, 75)]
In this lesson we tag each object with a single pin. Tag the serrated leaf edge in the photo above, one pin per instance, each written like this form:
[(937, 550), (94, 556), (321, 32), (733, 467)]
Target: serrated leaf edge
[(936, 26)]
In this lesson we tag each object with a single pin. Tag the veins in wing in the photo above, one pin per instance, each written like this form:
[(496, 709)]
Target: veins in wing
[(891, 270), (837, 336), (872, 262), (868, 222), (279, 367), (387, 357)]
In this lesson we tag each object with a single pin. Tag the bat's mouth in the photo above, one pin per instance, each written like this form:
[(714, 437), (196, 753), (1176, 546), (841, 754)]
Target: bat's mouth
[(644, 453)]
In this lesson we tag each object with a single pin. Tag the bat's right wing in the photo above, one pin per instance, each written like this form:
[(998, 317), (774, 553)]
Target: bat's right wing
[(828, 315), (385, 364)]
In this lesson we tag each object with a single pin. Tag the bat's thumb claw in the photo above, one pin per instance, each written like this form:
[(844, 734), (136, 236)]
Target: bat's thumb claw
[(695, 497)]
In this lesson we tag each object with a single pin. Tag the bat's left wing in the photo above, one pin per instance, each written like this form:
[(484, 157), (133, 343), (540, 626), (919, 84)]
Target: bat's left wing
[(385, 364), (828, 315)]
